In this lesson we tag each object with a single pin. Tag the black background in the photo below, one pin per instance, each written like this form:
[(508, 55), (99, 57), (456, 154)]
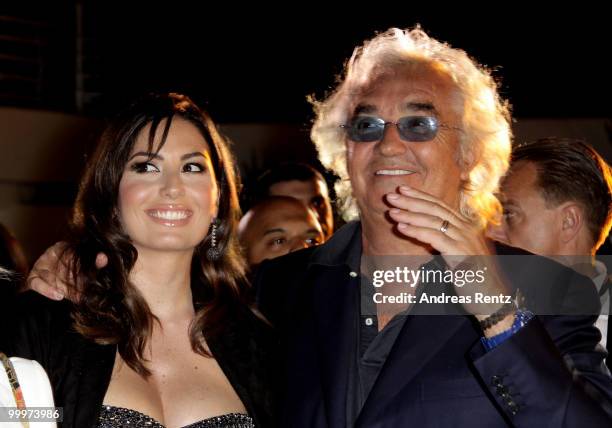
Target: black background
[(257, 62)]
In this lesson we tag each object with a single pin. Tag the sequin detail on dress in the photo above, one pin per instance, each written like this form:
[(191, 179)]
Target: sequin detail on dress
[(119, 417)]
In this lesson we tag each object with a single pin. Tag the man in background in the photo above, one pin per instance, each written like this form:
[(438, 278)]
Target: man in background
[(299, 181), (277, 226), (557, 202)]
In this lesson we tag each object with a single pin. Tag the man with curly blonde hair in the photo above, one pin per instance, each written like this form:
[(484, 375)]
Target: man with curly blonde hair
[(420, 138)]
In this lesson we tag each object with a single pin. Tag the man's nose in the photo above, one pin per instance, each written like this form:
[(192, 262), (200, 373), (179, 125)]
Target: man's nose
[(391, 143), (497, 232)]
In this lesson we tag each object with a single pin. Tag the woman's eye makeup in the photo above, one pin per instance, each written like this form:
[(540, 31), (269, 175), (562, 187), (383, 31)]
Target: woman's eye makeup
[(142, 167), (194, 167)]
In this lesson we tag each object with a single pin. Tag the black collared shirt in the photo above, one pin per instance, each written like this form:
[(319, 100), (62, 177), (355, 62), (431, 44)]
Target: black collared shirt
[(373, 347)]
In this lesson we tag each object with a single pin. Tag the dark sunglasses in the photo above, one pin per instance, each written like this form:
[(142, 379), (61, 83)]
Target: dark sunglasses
[(367, 129)]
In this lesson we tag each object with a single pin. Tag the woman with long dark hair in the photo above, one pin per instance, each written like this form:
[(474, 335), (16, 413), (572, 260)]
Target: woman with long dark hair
[(163, 335)]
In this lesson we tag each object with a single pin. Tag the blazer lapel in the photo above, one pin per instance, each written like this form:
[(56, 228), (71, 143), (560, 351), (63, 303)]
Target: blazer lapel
[(94, 367), (421, 338), (336, 300)]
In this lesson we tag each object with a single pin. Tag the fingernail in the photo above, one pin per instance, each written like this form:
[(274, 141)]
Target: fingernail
[(58, 295), (402, 226), (405, 189), (393, 196), (394, 211)]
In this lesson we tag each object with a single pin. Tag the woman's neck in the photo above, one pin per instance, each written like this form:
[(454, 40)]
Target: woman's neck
[(164, 280)]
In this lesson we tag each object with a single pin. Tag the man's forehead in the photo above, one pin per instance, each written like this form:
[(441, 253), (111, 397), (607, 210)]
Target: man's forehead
[(521, 174), (520, 183), (283, 210), (289, 224), (424, 91), (417, 106), (292, 187)]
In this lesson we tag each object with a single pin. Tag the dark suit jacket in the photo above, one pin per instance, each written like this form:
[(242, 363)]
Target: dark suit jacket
[(437, 373), (80, 370), (8, 290)]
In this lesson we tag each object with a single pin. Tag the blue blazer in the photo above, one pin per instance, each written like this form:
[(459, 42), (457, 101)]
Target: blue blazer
[(550, 373)]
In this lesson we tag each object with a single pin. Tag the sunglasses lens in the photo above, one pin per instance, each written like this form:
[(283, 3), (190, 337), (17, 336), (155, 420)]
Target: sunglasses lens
[(418, 128), (366, 129)]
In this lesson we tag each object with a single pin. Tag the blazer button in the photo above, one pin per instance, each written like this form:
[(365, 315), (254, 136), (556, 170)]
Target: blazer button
[(353, 274), (501, 389), (496, 380)]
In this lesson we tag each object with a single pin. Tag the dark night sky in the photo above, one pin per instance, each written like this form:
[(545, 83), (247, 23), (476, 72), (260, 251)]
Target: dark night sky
[(258, 63)]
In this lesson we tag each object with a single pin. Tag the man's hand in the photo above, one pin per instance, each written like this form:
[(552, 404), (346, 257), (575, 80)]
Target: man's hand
[(50, 275), (422, 216), (427, 219)]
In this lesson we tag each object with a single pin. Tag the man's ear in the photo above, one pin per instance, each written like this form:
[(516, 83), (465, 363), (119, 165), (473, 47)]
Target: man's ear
[(572, 220)]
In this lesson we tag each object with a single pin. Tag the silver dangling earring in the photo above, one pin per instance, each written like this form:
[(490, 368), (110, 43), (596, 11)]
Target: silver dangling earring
[(213, 253)]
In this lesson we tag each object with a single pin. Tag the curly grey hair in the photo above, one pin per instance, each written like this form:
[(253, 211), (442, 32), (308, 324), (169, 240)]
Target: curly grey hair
[(485, 143)]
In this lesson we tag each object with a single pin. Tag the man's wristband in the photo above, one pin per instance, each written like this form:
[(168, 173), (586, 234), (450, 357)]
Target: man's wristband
[(521, 318), (497, 316)]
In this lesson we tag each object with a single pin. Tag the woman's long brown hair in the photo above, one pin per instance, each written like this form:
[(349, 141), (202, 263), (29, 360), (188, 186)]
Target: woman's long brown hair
[(110, 310)]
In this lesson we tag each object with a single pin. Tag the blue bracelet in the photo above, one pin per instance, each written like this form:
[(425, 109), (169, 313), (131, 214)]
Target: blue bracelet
[(521, 318)]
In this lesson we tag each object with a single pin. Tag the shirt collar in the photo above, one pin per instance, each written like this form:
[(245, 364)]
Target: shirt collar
[(601, 273), (342, 249)]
